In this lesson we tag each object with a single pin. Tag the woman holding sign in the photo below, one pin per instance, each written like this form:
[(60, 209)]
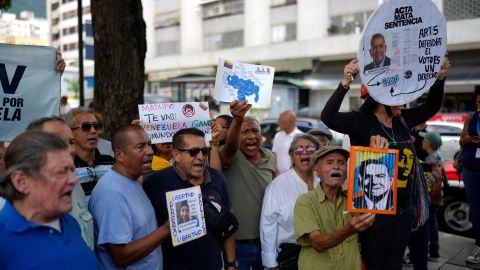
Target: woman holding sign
[(383, 245)]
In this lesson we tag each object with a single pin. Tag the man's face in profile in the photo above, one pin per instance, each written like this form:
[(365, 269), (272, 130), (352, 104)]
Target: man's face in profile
[(405, 163), (377, 180), (378, 49)]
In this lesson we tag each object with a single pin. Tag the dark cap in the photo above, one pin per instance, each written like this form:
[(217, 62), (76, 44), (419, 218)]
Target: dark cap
[(433, 138), (324, 150), (321, 131)]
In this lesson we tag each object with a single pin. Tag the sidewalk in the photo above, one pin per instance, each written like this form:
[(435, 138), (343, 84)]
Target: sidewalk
[(453, 252)]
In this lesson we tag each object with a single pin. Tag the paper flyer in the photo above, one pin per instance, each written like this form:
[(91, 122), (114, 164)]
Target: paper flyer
[(185, 212), (402, 49), (161, 121), (239, 81)]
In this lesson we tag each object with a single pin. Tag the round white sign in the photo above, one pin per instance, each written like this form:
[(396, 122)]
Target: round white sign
[(401, 50)]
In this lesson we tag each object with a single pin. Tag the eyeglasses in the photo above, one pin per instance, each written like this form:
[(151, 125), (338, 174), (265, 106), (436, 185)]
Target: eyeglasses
[(308, 150), (194, 151), (86, 126)]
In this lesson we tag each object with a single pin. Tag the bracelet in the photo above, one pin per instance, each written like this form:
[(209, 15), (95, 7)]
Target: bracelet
[(214, 144)]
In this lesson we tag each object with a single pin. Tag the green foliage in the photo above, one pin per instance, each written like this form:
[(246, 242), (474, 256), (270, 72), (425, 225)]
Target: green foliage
[(73, 86)]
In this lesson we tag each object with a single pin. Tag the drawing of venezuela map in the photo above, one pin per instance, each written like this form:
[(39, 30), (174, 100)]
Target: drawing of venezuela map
[(239, 81)]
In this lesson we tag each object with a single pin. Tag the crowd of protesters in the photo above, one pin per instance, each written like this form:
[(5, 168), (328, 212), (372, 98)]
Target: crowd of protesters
[(71, 205)]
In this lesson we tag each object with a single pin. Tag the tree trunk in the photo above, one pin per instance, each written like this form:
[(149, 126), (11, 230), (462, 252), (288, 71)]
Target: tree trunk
[(120, 46)]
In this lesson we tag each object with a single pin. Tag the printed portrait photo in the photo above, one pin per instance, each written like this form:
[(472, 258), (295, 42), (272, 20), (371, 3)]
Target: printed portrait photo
[(372, 180)]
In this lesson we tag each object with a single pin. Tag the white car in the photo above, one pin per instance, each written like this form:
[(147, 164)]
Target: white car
[(450, 133)]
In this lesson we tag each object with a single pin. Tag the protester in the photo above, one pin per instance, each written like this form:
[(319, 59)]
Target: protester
[(162, 154), (224, 121), (104, 145), (64, 106), (190, 169), (287, 122), (323, 135), (59, 127), (277, 233), (384, 244), (323, 227), (470, 143), (418, 143), (431, 145), (91, 165), (248, 168), (38, 186), (126, 232)]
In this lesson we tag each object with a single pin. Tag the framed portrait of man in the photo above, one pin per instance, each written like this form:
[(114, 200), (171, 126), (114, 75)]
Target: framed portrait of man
[(372, 181)]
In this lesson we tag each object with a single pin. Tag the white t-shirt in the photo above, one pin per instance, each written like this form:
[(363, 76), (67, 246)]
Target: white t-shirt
[(281, 144)]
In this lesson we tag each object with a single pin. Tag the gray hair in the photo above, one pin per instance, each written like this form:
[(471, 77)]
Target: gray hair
[(304, 136), (28, 153), (38, 124), (70, 116)]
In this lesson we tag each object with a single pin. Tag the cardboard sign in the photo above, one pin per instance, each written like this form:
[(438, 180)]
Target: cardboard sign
[(162, 120), (238, 81), (402, 49), (185, 212), (372, 181), (30, 87)]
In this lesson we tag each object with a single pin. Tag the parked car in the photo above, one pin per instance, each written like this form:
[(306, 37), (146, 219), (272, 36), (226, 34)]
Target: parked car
[(450, 133), (454, 216), (270, 126)]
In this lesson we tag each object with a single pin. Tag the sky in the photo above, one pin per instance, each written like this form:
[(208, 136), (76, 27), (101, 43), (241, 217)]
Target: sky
[(37, 6)]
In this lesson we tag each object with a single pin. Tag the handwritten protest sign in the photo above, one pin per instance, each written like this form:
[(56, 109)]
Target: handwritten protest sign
[(238, 81), (401, 51), (162, 120), (30, 87), (185, 212)]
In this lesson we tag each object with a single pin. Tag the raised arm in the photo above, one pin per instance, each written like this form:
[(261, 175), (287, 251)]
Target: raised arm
[(338, 121), (215, 161), (238, 109)]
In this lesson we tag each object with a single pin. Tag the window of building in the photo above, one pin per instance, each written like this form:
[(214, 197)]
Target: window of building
[(55, 6), (70, 46), (55, 21), (67, 1), (69, 30), (167, 19), (284, 32), (461, 9), (168, 47), (279, 3), (222, 8), (223, 40), (349, 23), (69, 14), (55, 36)]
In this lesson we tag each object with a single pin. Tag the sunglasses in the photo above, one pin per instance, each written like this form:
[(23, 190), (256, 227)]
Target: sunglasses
[(308, 150), (194, 151), (86, 126)]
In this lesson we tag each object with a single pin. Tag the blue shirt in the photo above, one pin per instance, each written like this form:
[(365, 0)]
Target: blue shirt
[(202, 253), (122, 214), (26, 245)]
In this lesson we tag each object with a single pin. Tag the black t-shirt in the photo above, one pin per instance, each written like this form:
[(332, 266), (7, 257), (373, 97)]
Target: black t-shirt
[(360, 126), (89, 176), (202, 253)]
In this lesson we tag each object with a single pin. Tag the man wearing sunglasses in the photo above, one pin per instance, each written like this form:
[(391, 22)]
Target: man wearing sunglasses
[(248, 168), (190, 169), (90, 163)]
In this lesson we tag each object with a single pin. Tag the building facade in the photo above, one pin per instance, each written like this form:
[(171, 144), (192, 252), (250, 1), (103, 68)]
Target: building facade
[(24, 29), (307, 41)]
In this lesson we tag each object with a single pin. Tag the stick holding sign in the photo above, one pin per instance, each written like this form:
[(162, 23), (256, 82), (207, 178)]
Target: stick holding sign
[(162, 120), (239, 81)]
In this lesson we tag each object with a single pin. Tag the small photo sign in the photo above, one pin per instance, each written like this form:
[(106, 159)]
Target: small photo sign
[(185, 212), (372, 181)]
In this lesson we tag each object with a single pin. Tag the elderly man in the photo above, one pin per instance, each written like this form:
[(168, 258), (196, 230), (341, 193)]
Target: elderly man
[(287, 122), (38, 186), (58, 126), (323, 135), (377, 52), (190, 169), (126, 232), (91, 165), (248, 169), (375, 181), (323, 227)]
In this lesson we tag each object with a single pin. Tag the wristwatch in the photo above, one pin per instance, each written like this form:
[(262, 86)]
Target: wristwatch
[(231, 264)]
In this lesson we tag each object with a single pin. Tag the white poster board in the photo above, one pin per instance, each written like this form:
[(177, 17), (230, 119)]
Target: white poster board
[(162, 120), (185, 212), (401, 51), (30, 86), (239, 81)]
